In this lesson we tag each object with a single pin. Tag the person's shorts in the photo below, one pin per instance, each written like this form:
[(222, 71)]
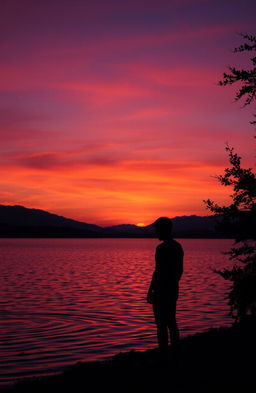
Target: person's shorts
[(164, 308)]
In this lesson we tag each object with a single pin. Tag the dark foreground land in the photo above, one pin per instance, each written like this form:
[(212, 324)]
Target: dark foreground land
[(219, 360)]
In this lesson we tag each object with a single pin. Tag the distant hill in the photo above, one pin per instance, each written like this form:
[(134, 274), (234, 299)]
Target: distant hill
[(195, 226), (130, 229), (185, 226), (19, 221)]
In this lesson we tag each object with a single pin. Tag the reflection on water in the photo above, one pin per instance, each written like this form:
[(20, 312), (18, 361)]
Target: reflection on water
[(65, 300)]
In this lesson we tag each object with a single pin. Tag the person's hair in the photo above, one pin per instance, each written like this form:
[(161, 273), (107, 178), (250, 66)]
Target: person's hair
[(163, 223)]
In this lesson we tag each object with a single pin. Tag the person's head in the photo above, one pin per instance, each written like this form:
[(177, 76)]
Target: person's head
[(163, 228)]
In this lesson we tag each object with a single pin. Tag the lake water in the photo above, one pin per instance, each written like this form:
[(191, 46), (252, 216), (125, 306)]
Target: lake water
[(66, 300)]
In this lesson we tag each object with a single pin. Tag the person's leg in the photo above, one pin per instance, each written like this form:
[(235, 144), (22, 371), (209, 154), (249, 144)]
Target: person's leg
[(161, 325), (162, 336), (172, 324), (174, 332)]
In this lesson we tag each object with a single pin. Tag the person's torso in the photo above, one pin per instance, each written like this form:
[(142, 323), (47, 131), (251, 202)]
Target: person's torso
[(168, 259)]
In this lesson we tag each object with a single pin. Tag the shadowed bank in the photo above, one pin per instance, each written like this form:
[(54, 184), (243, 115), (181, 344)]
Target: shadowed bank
[(214, 361)]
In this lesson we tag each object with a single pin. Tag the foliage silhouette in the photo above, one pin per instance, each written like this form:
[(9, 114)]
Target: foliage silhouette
[(247, 78), (239, 217)]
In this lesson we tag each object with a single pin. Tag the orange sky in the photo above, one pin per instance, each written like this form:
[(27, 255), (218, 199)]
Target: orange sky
[(113, 115)]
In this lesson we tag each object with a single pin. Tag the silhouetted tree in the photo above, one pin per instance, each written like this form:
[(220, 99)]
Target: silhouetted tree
[(247, 78), (239, 218)]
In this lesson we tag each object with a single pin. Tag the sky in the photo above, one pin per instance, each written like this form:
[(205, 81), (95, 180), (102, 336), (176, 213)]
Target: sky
[(110, 111)]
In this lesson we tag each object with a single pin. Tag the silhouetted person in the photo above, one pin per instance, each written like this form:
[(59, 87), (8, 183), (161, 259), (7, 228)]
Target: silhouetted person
[(164, 288)]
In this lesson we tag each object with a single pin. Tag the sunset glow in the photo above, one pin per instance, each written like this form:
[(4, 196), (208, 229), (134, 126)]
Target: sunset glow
[(110, 111)]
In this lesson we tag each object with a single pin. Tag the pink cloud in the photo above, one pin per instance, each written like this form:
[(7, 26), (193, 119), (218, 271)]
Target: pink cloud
[(105, 91), (189, 76), (60, 61)]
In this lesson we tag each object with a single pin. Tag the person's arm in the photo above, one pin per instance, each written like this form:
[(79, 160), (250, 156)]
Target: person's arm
[(180, 264), (154, 279), (151, 288)]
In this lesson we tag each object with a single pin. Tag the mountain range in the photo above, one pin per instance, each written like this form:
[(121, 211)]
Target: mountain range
[(19, 221)]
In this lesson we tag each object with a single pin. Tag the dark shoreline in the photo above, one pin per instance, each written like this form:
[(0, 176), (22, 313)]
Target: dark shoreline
[(220, 359)]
